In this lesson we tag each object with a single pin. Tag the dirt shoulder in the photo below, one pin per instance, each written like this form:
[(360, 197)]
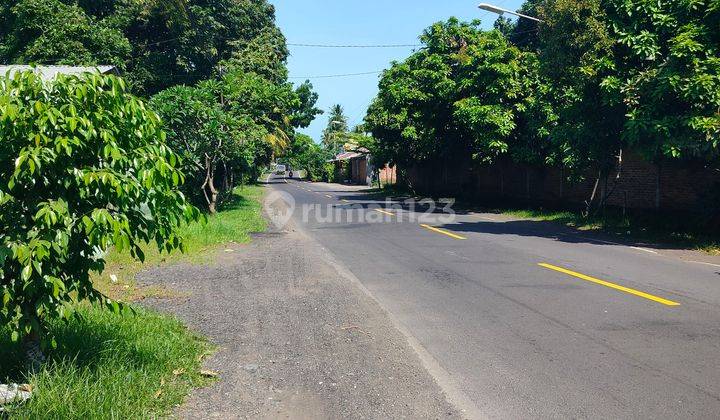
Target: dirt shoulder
[(296, 338)]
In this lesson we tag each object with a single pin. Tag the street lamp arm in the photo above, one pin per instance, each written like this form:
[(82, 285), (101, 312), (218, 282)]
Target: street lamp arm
[(500, 11)]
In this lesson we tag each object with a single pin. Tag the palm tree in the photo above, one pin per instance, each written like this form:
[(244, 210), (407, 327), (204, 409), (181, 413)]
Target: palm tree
[(336, 129), (278, 136)]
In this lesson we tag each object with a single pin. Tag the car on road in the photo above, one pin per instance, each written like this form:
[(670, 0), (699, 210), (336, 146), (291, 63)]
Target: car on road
[(280, 170)]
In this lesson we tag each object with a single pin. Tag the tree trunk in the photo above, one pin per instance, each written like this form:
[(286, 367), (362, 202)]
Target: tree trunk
[(34, 357), (209, 185), (589, 203)]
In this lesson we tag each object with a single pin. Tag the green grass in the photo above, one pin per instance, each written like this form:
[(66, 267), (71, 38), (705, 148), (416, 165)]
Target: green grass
[(235, 220), (110, 365), (129, 365)]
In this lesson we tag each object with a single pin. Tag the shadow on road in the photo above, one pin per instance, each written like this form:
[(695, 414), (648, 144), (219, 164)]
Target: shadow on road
[(549, 230)]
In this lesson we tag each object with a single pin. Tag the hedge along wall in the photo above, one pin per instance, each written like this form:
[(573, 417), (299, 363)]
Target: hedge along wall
[(676, 186)]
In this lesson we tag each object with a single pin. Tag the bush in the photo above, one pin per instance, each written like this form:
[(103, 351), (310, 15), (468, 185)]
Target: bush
[(83, 167)]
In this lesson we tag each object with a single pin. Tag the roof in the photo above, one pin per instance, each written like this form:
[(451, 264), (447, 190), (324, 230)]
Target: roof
[(347, 156), (50, 72)]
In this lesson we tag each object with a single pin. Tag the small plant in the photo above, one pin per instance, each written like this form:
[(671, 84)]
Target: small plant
[(83, 168)]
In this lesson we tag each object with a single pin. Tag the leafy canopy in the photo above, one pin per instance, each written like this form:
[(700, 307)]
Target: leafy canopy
[(466, 92), (155, 43), (83, 167)]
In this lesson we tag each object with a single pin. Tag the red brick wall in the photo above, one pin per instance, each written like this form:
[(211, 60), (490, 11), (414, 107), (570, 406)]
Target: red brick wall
[(388, 175), (641, 185)]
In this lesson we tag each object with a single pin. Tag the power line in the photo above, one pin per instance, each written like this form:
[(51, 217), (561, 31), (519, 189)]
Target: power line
[(328, 76), (355, 46), (293, 44)]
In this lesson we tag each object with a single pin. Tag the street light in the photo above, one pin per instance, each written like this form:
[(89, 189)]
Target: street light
[(500, 11)]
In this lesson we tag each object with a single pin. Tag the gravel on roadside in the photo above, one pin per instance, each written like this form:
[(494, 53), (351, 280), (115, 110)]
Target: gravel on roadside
[(296, 339)]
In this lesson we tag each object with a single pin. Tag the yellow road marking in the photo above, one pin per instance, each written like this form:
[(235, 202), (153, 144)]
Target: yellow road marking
[(443, 231), (385, 212), (610, 285)]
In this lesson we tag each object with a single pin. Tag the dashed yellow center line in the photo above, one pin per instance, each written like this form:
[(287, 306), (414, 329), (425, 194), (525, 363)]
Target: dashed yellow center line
[(610, 285), (385, 212), (443, 231)]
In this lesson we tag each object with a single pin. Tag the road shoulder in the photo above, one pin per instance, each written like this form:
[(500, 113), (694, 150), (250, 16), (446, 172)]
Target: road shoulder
[(296, 338)]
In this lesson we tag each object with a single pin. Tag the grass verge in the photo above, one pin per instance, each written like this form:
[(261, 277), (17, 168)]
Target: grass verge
[(110, 365), (137, 364), (236, 219)]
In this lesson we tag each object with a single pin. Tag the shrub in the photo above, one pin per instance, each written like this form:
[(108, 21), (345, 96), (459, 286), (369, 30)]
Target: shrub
[(83, 167)]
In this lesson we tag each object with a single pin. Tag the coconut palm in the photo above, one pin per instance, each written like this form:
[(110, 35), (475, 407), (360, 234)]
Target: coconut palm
[(336, 129)]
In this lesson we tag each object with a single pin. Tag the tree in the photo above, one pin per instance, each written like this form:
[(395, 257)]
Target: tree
[(214, 143), (266, 103), (576, 49), (666, 71), (156, 43), (467, 92), (333, 135), (75, 182), (305, 111), (307, 155), (51, 31)]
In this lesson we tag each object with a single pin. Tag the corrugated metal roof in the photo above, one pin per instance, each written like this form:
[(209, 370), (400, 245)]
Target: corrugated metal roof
[(50, 72), (347, 156)]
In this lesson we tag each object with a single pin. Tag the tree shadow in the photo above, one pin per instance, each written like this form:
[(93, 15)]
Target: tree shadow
[(418, 206), (234, 201), (554, 230)]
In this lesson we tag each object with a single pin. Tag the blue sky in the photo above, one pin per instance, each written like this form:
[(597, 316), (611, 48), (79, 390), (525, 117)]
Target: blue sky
[(367, 22)]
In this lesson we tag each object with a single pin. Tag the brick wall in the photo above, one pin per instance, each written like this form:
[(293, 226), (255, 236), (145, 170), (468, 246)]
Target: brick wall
[(388, 175), (641, 185)]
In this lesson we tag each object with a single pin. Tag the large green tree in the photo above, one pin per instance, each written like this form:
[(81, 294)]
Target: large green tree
[(466, 92), (666, 70), (156, 43), (307, 155), (632, 74)]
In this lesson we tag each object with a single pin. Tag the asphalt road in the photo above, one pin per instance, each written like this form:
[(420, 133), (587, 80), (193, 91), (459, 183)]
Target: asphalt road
[(598, 330)]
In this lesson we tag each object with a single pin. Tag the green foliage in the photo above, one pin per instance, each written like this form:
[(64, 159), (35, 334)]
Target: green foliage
[(595, 78), (83, 167), (157, 43), (667, 73), (467, 91), (575, 55), (632, 74), (215, 144), (307, 155), (304, 112), (230, 127), (334, 135), (52, 31)]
